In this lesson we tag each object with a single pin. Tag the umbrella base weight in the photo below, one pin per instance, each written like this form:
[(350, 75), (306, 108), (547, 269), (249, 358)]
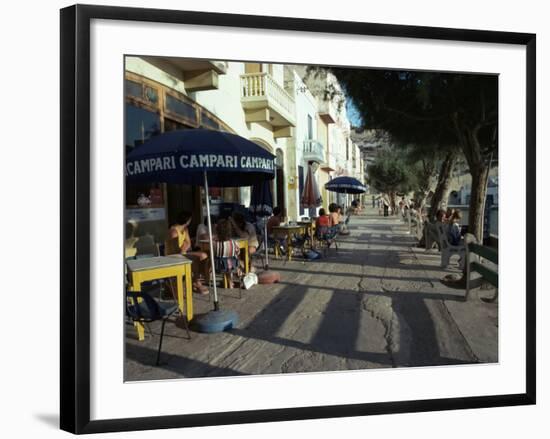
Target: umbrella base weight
[(215, 321)]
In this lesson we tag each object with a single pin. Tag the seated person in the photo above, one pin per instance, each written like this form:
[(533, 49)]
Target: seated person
[(226, 250), (448, 214), (275, 220), (131, 239), (453, 232), (244, 229), (323, 220), (202, 232), (334, 214), (179, 242), (440, 216), (354, 207), (325, 229)]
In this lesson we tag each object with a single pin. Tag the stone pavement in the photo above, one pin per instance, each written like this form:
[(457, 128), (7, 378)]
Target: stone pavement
[(376, 303)]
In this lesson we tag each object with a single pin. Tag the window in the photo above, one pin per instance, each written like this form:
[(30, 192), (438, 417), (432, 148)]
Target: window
[(151, 95), (141, 124), (181, 109), (309, 127), (172, 125), (209, 122), (133, 89), (252, 67), (144, 93), (144, 195)]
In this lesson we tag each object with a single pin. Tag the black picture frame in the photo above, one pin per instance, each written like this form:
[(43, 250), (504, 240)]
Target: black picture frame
[(75, 217)]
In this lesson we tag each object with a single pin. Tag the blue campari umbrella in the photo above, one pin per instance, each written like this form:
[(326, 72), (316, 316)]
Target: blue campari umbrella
[(201, 157), (345, 185), (261, 200)]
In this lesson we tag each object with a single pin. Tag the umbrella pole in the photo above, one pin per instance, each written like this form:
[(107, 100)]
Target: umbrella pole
[(211, 244), (265, 245)]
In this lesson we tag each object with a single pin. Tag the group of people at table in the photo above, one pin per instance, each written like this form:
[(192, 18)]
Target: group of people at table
[(225, 234)]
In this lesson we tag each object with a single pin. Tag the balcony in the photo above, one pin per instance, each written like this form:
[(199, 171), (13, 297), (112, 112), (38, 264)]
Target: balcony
[(329, 164), (313, 151), (197, 75), (327, 111), (264, 100)]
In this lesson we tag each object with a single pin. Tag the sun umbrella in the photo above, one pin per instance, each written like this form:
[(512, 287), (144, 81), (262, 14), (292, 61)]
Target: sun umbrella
[(202, 157), (261, 201), (311, 197), (345, 185)]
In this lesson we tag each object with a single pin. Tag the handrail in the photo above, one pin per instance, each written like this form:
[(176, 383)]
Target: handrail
[(262, 84), (314, 147)]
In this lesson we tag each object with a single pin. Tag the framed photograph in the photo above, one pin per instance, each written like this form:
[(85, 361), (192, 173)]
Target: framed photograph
[(278, 218)]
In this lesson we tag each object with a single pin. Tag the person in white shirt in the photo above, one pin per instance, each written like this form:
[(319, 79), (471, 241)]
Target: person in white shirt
[(202, 232), (244, 229)]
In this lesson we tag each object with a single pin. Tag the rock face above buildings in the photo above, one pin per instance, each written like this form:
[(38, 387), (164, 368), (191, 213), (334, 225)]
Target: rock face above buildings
[(369, 142)]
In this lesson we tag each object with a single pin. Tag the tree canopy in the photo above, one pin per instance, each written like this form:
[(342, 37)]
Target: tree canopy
[(428, 108), (389, 173), (437, 109)]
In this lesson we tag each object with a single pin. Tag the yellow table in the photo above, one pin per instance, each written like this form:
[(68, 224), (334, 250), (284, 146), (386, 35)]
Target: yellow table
[(289, 230), (241, 242), (162, 267)]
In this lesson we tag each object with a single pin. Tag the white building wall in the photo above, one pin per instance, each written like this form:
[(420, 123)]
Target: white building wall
[(306, 105), (225, 102)]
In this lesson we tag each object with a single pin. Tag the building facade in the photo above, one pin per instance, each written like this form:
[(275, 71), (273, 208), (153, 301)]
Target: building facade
[(269, 104)]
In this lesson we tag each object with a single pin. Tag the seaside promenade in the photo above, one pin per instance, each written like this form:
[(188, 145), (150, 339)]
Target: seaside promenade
[(376, 303)]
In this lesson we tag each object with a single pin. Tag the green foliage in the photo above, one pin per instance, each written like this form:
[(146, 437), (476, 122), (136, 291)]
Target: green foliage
[(434, 109), (423, 163), (390, 173)]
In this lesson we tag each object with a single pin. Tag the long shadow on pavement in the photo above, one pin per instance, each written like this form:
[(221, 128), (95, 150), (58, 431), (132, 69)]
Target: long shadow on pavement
[(186, 367)]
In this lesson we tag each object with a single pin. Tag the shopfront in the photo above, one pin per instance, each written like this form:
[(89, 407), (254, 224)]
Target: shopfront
[(152, 109)]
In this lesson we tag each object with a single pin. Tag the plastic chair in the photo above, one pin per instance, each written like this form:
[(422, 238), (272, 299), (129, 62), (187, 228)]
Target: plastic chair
[(326, 236), (142, 308), (447, 249)]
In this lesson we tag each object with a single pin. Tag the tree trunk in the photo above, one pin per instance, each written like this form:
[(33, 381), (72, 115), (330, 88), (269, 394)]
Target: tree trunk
[(480, 175), (441, 193), (420, 199), (391, 199)]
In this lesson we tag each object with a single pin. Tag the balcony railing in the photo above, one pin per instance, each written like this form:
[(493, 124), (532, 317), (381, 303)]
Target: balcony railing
[(314, 151), (259, 90)]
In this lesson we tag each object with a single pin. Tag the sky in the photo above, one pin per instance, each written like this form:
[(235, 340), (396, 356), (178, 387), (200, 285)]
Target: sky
[(353, 114)]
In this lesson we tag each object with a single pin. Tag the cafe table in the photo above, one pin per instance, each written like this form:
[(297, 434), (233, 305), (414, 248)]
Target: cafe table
[(289, 230), (162, 267), (241, 242)]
